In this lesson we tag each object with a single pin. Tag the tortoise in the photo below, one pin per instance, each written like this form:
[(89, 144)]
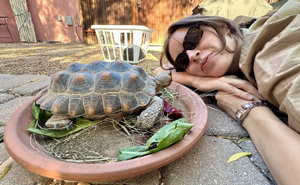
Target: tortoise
[(103, 89)]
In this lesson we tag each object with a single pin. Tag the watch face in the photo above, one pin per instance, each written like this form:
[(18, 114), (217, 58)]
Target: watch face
[(246, 106)]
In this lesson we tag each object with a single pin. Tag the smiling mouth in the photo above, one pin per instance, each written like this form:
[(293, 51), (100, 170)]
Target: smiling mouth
[(205, 61)]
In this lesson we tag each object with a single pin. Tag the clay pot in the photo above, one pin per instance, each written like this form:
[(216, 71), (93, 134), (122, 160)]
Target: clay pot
[(17, 142)]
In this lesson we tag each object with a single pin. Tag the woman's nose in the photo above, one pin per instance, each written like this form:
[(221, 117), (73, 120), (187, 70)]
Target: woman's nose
[(193, 55)]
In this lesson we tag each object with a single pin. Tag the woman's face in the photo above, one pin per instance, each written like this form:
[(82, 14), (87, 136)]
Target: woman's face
[(205, 59)]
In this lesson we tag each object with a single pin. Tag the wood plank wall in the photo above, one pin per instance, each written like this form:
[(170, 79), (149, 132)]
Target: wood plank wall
[(155, 14)]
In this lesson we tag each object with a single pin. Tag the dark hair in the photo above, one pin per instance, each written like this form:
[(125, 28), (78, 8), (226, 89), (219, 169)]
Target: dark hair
[(215, 22)]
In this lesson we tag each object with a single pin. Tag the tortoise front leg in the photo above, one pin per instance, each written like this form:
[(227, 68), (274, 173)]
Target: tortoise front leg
[(151, 115)]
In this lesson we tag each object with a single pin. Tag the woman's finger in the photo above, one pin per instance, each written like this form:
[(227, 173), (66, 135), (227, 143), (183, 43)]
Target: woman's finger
[(238, 92), (244, 86)]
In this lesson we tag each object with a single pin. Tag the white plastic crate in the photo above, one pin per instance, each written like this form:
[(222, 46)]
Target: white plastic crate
[(125, 42)]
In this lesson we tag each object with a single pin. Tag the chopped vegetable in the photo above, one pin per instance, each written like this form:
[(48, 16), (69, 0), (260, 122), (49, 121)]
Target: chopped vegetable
[(171, 111)]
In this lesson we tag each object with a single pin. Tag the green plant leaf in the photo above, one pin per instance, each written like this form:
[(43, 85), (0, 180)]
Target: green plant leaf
[(1, 137), (165, 132), (39, 114), (238, 156), (132, 152), (81, 123), (243, 139), (163, 138)]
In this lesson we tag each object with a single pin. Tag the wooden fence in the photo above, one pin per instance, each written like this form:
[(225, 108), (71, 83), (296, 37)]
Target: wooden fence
[(155, 14)]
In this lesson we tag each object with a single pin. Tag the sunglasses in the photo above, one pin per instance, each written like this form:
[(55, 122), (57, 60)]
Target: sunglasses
[(190, 42)]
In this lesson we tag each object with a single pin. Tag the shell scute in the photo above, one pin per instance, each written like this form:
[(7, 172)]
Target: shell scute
[(132, 82), (111, 103), (129, 102), (107, 81), (95, 66), (76, 106), (81, 82), (59, 82), (74, 67), (60, 105), (120, 66), (93, 104)]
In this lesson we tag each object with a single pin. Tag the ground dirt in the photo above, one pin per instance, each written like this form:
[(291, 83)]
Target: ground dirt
[(48, 58)]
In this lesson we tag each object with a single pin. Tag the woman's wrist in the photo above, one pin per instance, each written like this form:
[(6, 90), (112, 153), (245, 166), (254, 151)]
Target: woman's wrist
[(257, 114)]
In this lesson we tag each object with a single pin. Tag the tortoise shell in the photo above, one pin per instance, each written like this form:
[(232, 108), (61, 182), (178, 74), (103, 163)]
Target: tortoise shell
[(98, 89)]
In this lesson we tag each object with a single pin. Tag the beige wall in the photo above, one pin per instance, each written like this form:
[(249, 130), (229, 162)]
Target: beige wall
[(45, 20)]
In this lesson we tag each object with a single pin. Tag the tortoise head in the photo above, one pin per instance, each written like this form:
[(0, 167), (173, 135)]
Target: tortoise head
[(163, 80)]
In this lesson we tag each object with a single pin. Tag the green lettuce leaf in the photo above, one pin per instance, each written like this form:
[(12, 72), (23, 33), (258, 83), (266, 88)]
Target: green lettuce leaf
[(41, 116), (81, 123), (163, 138), (1, 138), (132, 152)]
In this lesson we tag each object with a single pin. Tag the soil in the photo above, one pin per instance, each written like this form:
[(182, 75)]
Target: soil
[(45, 58)]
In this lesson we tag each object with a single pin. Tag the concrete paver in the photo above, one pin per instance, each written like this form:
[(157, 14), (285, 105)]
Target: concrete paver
[(32, 88), (9, 82), (205, 164), (6, 97), (8, 108), (221, 124)]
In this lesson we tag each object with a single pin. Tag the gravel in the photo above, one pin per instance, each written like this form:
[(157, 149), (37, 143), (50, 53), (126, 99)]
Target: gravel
[(44, 58)]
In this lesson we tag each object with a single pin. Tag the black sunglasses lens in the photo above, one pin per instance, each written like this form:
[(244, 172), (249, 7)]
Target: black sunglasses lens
[(181, 62), (192, 38)]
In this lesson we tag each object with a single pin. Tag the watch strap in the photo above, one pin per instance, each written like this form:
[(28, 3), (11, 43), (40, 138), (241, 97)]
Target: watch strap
[(244, 110)]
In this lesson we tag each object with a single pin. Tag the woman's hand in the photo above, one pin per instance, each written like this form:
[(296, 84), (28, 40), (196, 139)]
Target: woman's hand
[(230, 84), (230, 103)]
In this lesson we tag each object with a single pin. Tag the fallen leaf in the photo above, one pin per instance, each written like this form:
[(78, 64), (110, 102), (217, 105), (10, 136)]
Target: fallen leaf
[(243, 139), (237, 156)]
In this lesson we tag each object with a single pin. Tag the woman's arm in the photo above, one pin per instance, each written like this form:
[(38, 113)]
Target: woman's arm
[(230, 84), (277, 143)]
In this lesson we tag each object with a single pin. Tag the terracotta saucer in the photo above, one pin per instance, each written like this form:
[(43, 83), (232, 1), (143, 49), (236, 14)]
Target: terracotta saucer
[(17, 142)]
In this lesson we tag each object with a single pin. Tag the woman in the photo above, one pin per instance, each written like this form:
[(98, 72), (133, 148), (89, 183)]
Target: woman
[(209, 53)]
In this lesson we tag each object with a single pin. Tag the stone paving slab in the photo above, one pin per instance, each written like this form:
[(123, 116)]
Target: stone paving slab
[(8, 108), (248, 146), (9, 82), (207, 164), (32, 88), (4, 155), (2, 129), (18, 175), (5, 97), (151, 178), (221, 124)]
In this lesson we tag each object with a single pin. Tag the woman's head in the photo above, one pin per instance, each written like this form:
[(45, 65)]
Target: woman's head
[(202, 45)]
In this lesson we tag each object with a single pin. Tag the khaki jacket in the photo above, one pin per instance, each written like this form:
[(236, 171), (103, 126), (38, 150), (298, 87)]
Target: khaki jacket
[(270, 59)]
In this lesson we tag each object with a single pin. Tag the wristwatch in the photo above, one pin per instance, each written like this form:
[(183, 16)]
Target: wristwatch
[(244, 110)]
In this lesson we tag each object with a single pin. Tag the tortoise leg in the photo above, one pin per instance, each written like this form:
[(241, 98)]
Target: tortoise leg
[(59, 122), (151, 115)]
